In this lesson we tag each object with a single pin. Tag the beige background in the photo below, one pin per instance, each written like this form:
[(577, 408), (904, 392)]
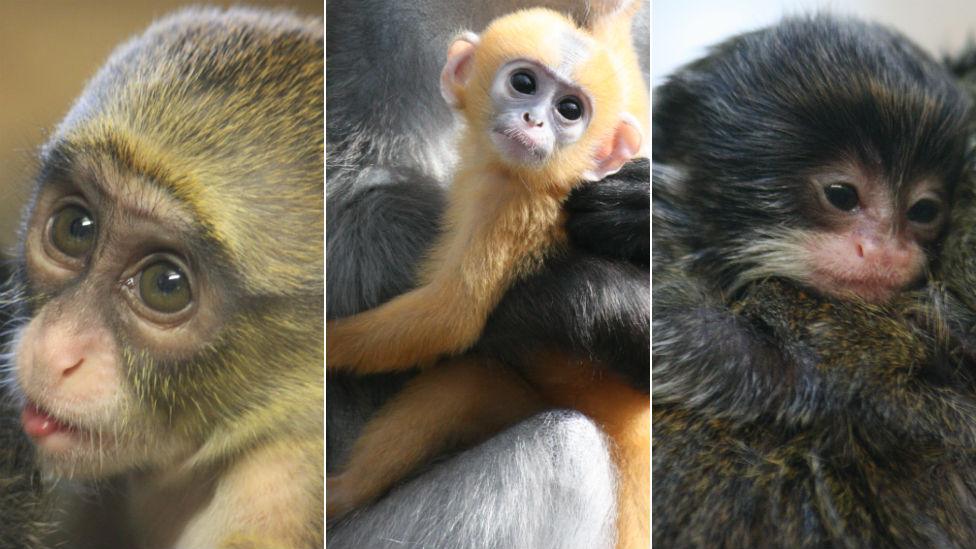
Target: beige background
[(48, 49), (682, 29)]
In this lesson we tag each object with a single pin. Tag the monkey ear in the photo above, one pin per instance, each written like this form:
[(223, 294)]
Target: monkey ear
[(616, 151), (458, 68)]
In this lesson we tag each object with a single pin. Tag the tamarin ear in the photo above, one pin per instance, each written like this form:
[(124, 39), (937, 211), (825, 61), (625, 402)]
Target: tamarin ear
[(457, 70), (617, 150)]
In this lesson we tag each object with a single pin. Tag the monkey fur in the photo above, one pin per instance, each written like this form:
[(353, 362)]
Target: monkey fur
[(23, 504), (211, 125), (463, 398), (784, 418), (569, 272)]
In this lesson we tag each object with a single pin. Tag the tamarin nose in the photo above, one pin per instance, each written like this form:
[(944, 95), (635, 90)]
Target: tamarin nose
[(888, 254), (531, 121)]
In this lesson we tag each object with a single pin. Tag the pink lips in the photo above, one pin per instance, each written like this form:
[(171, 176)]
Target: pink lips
[(518, 145), (39, 424)]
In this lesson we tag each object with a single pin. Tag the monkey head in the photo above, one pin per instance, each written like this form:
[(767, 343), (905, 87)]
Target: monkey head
[(543, 95), (170, 273), (821, 150)]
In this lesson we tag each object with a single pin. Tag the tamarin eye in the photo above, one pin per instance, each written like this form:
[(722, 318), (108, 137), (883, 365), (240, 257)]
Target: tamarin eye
[(842, 196), (924, 211), (523, 82), (570, 108), (73, 231), (164, 287)]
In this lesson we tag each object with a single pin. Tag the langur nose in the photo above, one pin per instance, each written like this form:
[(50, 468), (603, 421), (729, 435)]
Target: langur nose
[(530, 120)]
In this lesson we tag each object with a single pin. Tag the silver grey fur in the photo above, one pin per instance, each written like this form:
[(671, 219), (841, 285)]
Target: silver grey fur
[(518, 482), (547, 482)]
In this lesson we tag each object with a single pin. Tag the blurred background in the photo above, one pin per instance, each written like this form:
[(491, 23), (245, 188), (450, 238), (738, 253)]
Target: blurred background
[(682, 30), (48, 50)]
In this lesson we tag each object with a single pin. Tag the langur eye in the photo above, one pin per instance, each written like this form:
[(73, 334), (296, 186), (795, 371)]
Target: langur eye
[(164, 287), (523, 82), (842, 196), (570, 108), (924, 211), (73, 231)]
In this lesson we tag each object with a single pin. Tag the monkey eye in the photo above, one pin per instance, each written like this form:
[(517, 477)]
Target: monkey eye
[(523, 82), (164, 287), (842, 196), (73, 231), (570, 108), (924, 211)]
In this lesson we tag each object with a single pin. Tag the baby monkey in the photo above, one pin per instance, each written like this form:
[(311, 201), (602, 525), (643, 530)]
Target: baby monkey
[(804, 410), (833, 170), (546, 105)]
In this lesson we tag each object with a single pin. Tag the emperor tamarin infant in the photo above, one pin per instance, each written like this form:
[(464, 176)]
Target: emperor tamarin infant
[(803, 180)]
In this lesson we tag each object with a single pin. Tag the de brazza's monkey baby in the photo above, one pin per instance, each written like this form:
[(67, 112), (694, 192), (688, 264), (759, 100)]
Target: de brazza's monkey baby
[(168, 353), (543, 100), (804, 400)]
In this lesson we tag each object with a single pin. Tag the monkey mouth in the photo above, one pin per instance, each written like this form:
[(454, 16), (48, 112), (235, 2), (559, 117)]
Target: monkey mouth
[(873, 289), (517, 145), (46, 429)]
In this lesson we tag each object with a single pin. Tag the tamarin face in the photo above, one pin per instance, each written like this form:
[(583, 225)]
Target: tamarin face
[(170, 271), (820, 150), (543, 98), (869, 240)]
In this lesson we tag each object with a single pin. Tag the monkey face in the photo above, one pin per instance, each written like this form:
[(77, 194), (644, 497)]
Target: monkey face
[(870, 242), (113, 266), (534, 112), (856, 235), (837, 176), (170, 274), (543, 98)]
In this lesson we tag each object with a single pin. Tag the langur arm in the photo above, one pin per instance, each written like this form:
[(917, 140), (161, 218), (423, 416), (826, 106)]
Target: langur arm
[(456, 403), (611, 217), (380, 223), (582, 304)]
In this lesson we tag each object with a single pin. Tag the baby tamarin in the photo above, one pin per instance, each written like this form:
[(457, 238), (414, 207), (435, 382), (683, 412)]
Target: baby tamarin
[(168, 353), (544, 103), (802, 182)]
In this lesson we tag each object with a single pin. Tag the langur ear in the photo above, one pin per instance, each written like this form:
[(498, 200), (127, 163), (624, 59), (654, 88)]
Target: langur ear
[(457, 70), (617, 150)]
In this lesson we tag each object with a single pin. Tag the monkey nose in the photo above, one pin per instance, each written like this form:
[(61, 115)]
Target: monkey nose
[(891, 255), (531, 121)]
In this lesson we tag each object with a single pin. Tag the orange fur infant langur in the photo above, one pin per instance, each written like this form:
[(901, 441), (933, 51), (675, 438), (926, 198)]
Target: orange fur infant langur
[(546, 106)]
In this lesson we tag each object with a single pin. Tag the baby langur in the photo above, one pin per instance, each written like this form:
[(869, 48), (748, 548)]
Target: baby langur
[(171, 272), (545, 106), (545, 109)]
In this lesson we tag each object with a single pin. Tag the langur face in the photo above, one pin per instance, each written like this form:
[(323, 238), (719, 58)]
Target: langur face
[(535, 112)]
